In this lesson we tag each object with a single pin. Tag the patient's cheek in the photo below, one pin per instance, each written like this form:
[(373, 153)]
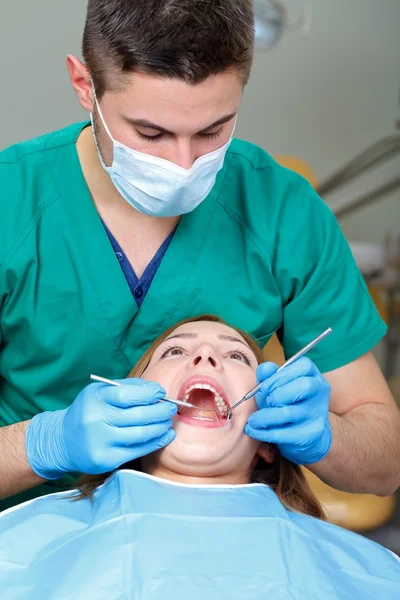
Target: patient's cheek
[(157, 373), (249, 407)]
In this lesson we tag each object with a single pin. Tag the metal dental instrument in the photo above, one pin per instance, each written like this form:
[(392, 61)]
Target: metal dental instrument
[(111, 382), (178, 402), (295, 357)]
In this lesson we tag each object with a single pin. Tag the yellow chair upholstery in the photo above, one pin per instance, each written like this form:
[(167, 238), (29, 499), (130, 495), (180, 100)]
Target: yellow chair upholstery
[(358, 512), (298, 166)]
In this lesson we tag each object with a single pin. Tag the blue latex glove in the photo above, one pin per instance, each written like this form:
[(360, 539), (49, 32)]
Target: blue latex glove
[(293, 411), (105, 427)]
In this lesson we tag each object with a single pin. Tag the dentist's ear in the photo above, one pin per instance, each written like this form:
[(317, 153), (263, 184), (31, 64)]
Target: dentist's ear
[(80, 80), (267, 452)]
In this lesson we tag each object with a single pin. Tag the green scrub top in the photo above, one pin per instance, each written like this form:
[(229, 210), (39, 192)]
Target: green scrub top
[(262, 251)]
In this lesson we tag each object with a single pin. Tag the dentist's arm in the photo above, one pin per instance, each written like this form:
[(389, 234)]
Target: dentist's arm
[(16, 474), (344, 426), (365, 423)]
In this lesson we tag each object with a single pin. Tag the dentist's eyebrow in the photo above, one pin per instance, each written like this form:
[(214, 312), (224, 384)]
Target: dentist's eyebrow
[(148, 125)]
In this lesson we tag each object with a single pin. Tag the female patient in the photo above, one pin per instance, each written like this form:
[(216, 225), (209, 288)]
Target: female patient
[(191, 520)]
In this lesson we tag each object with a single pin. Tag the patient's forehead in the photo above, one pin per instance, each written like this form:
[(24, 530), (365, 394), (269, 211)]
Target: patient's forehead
[(208, 330)]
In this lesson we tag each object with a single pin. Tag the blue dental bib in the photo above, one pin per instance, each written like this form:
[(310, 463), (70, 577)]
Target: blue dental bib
[(143, 538)]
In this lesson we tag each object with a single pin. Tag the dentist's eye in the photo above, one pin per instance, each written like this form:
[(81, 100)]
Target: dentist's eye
[(212, 136), (172, 351), (240, 356), (150, 138)]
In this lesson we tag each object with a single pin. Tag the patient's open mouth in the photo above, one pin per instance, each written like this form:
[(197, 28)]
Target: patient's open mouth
[(207, 395)]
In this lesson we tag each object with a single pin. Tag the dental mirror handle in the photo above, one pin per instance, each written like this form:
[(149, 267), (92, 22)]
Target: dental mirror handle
[(111, 382), (291, 360)]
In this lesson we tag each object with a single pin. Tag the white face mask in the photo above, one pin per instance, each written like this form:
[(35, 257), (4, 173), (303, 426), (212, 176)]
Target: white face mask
[(155, 186)]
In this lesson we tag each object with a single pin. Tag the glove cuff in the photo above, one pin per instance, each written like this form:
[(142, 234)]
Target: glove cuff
[(44, 444), (323, 447)]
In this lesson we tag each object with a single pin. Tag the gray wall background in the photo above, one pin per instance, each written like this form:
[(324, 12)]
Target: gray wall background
[(323, 98)]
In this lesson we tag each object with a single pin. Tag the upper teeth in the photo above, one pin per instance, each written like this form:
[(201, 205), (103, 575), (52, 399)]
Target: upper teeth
[(220, 402)]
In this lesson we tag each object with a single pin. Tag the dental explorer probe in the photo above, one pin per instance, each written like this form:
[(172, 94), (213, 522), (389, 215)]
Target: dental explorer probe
[(178, 402), (295, 357)]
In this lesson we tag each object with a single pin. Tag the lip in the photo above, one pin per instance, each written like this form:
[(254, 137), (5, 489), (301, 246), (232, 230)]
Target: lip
[(200, 423), (207, 379)]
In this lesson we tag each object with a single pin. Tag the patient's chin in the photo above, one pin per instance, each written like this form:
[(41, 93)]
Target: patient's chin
[(196, 460), (207, 453), (201, 458)]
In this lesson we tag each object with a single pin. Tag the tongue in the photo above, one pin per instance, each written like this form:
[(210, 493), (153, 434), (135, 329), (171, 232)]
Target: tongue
[(204, 400)]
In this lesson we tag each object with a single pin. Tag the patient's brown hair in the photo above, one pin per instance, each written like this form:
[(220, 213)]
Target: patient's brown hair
[(284, 477)]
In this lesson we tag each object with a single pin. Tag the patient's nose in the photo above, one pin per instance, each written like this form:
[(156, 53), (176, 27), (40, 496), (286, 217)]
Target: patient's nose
[(205, 355)]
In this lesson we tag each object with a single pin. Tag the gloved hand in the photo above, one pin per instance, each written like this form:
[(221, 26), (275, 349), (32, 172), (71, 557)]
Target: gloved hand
[(293, 411), (105, 427)]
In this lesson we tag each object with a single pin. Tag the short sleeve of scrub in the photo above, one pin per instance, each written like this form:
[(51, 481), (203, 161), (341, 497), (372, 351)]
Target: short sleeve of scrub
[(320, 283)]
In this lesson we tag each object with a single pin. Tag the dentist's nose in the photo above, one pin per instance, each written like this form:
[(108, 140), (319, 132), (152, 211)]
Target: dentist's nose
[(183, 154), (205, 355)]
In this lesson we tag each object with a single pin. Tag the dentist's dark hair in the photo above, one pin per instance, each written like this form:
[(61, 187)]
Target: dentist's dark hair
[(284, 477), (184, 39)]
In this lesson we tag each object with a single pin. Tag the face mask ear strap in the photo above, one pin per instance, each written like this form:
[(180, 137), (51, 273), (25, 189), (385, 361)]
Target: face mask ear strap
[(103, 164), (99, 111), (234, 127)]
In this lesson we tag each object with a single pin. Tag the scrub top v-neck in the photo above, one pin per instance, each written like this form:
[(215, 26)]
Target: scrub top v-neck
[(139, 286), (262, 251)]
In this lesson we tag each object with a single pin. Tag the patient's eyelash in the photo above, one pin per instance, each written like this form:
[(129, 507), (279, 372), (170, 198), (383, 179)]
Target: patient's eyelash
[(165, 352), (245, 355)]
